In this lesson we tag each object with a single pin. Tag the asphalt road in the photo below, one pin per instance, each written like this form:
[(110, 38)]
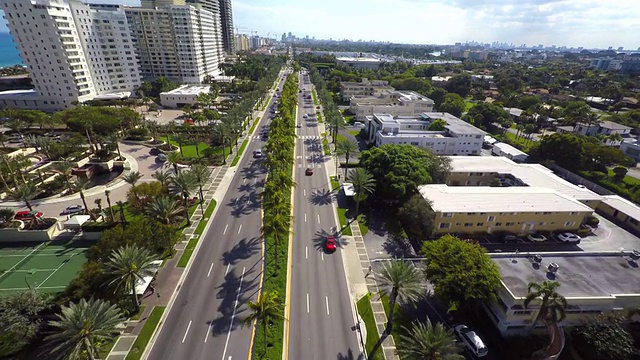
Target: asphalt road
[(321, 317), (205, 321)]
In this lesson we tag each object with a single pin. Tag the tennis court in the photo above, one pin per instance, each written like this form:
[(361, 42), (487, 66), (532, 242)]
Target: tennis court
[(48, 267)]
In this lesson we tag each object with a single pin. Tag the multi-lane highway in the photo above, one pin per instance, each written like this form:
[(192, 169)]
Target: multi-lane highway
[(205, 320), (321, 318)]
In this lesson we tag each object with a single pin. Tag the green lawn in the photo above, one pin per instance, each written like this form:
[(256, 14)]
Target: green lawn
[(189, 150), (354, 132), (315, 99), (335, 185), (325, 146), (468, 105), (146, 333), (319, 116), (342, 217), (362, 223), (139, 314), (340, 137), (191, 245), (366, 313), (105, 348), (524, 144), (255, 123), (239, 153), (627, 179)]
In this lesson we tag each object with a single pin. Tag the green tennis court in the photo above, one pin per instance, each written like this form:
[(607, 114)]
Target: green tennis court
[(48, 267)]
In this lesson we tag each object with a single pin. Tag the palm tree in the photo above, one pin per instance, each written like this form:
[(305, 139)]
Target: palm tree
[(25, 192), (63, 168), (81, 327), (425, 341), (107, 193), (114, 140), (129, 265), (80, 185), (164, 209), (276, 223), (173, 159), (162, 176), (182, 184), (400, 279), (591, 118), (346, 147), (181, 139), (132, 178), (98, 202), (363, 183), (269, 308), (3, 139), (222, 133), (552, 306), (200, 174)]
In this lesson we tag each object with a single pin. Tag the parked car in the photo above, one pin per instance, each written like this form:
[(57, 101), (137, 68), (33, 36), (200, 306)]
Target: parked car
[(308, 171), (511, 239), (330, 243), (471, 340), (161, 158), (155, 151), (73, 209), (305, 116), (569, 237), (537, 237), (26, 214), (299, 125)]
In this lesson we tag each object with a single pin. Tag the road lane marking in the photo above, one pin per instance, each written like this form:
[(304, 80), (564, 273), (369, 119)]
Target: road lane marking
[(240, 228), (322, 255), (307, 303), (305, 217), (318, 218), (326, 298), (209, 329), (226, 272), (233, 316), (304, 192), (186, 332), (210, 267), (225, 229), (244, 180), (306, 252)]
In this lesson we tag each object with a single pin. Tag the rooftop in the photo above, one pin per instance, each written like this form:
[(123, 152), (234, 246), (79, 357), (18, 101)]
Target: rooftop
[(14, 94), (613, 126), (454, 124), (514, 111), (498, 199), (188, 90), (509, 149), (352, 59), (534, 175), (623, 205), (580, 274)]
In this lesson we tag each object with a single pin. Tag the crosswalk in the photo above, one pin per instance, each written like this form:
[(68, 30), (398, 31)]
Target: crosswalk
[(303, 137)]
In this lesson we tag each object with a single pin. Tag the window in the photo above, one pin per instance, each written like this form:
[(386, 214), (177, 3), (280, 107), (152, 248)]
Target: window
[(444, 225), (447, 215), (569, 223), (468, 224), (509, 224), (498, 224), (541, 223), (479, 224), (491, 218)]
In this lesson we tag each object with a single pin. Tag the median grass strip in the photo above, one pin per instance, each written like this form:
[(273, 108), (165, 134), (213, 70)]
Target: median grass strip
[(191, 245), (239, 154), (315, 99), (366, 313), (325, 146), (319, 116), (253, 127), (147, 331)]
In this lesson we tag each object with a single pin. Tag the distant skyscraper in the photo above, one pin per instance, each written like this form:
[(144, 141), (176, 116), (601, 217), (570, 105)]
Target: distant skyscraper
[(226, 16), (75, 52)]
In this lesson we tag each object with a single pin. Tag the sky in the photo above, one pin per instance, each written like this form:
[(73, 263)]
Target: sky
[(572, 23)]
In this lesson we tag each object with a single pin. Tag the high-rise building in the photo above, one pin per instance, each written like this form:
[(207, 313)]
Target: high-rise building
[(226, 16), (242, 43), (74, 52), (182, 43)]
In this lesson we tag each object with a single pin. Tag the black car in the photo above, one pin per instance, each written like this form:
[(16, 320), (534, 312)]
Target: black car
[(155, 151)]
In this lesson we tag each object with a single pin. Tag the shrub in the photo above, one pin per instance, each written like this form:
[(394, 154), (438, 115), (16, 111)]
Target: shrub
[(598, 175), (593, 221), (138, 134), (620, 172), (6, 215), (582, 232)]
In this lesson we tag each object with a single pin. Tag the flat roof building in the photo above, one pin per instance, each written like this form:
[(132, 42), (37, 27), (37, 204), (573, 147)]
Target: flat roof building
[(457, 138), (364, 88), (395, 103), (516, 210), (184, 95), (592, 283), (510, 152), (360, 62)]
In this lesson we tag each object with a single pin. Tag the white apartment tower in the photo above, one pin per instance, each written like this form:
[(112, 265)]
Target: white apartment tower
[(74, 52), (182, 43)]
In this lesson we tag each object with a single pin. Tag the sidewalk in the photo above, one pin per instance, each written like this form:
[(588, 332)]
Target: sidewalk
[(170, 277), (357, 267)]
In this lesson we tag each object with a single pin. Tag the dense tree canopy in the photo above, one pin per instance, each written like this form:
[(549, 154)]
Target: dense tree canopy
[(461, 271), (605, 338), (459, 84), (417, 217), (453, 104), (19, 320), (483, 115), (400, 169), (98, 119)]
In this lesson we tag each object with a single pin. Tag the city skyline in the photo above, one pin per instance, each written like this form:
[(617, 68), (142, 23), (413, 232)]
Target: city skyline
[(588, 24)]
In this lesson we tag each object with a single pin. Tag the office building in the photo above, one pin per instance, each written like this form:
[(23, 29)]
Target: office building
[(455, 138), (182, 43), (365, 87), (592, 283), (74, 52), (394, 102), (226, 16)]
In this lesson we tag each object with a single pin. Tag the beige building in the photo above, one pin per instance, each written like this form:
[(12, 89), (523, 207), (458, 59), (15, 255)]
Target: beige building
[(364, 88), (394, 103), (621, 211), (517, 210), (592, 283), (242, 43)]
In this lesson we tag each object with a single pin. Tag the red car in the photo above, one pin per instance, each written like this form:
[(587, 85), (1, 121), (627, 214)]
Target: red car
[(330, 243), (26, 214)]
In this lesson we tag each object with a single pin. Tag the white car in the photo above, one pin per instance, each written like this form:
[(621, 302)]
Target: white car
[(471, 340), (73, 209), (305, 116), (537, 237), (257, 154), (569, 238)]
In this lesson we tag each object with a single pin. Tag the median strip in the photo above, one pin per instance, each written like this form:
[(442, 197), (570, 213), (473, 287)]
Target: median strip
[(147, 331), (191, 245), (239, 154)]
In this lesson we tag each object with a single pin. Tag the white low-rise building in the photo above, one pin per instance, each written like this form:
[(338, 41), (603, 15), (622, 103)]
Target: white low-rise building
[(364, 88), (631, 147), (457, 138), (184, 95), (395, 103), (510, 152)]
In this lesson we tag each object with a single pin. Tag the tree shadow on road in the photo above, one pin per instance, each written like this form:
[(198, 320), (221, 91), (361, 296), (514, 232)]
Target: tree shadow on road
[(398, 247), (242, 250), (350, 356), (321, 197), (228, 292), (320, 236)]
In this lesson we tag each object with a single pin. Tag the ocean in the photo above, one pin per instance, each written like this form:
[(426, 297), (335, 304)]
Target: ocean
[(8, 53)]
